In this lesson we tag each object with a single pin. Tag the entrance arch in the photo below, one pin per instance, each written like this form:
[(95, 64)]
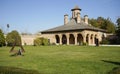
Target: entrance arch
[(96, 40), (72, 39), (64, 39), (87, 38), (79, 39), (57, 39)]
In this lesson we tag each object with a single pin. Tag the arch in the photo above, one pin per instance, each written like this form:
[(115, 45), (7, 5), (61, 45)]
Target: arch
[(103, 36), (91, 39), (96, 40), (87, 38), (79, 39), (64, 39), (95, 36), (72, 39), (57, 39)]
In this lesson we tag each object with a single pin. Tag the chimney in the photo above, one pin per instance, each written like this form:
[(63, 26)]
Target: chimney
[(78, 18), (86, 19), (65, 19)]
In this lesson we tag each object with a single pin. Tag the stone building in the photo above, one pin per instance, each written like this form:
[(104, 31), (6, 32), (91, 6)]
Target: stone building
[(75, 31), (28, 39)]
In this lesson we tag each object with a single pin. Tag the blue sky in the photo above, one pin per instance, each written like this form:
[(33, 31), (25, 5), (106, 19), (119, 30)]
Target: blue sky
[(33, 16)]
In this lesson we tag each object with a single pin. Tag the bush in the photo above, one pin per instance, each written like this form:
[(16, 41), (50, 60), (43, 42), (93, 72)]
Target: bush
[(41, 41), (84, 44), (105, 41), (45, 41)]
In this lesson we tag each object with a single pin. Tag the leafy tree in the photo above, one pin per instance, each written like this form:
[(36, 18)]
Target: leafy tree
[(118, 27), (103, 23), (118, 30), (100, 21), (2, 38), (93, 22), (13, 38)]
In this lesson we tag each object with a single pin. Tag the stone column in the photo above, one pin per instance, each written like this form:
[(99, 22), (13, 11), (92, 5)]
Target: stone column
[(68, 36), (60, 36), (89, 40), (93, 40), (75, 35)]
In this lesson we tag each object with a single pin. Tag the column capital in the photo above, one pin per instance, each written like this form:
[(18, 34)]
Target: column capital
[(75, 34), (60, 35), (67, 34)]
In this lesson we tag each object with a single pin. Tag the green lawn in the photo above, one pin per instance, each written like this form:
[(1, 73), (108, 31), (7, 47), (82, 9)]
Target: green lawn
[(63, 59)]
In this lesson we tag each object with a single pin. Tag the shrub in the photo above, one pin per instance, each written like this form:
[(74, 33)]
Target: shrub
[(37, 42), (105, 41), (41, 41), (84, 44), (45, 41)]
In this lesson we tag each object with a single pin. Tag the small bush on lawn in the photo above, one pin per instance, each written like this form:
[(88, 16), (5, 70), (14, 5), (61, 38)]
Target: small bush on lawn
[(105, 41), (84, 44), (41, 41)]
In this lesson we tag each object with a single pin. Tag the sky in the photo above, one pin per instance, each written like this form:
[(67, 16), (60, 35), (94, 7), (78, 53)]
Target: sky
[(33, 16)]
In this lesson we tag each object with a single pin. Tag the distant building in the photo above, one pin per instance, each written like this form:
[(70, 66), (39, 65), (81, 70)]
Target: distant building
[(74, 31)]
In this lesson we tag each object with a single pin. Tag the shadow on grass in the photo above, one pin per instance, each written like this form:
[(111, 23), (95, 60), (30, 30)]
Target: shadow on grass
[(115, 70), (112, 62), (14, 70), (13, 55)]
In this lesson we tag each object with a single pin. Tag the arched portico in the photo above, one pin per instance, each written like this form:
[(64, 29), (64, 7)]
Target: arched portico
[(77, 38)]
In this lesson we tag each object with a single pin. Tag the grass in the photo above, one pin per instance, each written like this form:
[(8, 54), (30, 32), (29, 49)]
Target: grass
[(63, 59)]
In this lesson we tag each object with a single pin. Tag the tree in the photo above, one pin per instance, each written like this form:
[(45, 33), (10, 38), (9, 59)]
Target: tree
[(2, 38), (118, 30), (93, 22), (110, 26), (118, 27), (103, 23), (13, 38)]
